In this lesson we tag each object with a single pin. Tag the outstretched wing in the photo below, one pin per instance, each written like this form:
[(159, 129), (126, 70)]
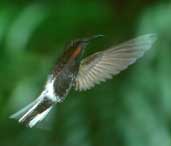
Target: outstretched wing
[(104, 64)]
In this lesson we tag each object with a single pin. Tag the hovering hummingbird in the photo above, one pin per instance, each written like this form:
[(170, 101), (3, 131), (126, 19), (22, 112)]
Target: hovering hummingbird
[(72, 70)]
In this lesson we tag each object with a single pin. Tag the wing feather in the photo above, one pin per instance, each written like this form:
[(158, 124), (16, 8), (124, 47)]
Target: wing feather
[(103, 65)]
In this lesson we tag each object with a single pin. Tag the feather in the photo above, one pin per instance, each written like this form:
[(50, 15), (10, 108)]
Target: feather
[(104, 64), (34, 112)]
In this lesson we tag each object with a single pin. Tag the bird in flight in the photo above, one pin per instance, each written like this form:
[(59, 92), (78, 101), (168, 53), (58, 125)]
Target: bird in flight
[(75, 71)]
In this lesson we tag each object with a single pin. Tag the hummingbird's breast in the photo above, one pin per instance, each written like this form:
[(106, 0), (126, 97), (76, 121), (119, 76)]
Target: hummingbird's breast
[(64, 79)]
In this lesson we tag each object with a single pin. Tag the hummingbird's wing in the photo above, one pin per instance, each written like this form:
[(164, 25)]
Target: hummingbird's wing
[(104, 64)]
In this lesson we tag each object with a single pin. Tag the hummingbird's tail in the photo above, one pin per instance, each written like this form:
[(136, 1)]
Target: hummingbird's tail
[(34, 112)]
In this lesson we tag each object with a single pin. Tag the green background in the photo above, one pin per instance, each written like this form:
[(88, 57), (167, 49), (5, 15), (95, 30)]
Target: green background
[(132, 109)]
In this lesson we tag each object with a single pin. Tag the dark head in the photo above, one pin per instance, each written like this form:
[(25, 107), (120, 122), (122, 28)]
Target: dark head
[(77, 46)]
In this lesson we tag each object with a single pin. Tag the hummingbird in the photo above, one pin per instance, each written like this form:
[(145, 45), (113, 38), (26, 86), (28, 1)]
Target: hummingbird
[(73, 70)]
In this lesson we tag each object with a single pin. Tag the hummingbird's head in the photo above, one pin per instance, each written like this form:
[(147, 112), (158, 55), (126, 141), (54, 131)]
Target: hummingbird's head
[(78, 46)]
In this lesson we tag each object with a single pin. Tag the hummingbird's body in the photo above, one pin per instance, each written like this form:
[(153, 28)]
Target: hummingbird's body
[(57, 87), (82, 74), (65, 72)]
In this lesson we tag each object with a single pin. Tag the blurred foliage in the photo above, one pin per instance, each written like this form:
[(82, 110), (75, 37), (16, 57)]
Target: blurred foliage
[(133, 109)]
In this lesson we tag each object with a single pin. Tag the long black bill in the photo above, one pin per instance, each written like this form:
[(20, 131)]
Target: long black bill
[(86, 40)]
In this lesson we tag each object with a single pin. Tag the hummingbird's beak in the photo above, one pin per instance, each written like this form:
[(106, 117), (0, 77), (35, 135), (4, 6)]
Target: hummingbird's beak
[(87, 40), (84, 42)]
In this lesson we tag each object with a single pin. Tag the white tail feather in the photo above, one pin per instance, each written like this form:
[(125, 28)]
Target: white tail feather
[(26, 115), (21, 112), (39, 117), (30, 110)]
